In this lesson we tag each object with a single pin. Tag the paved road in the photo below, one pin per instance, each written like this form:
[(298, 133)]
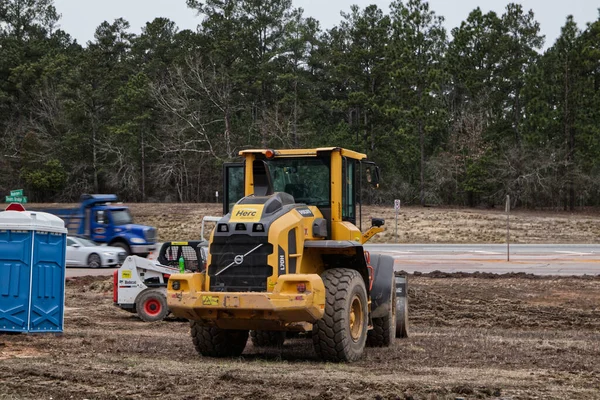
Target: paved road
[(545, 259)]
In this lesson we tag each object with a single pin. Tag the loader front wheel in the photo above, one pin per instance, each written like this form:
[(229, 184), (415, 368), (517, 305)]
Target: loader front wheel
[(151, 305), (267, 338), (211, 341), (342, 332)]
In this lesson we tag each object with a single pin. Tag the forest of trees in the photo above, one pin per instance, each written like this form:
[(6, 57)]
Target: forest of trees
[(458, 118)]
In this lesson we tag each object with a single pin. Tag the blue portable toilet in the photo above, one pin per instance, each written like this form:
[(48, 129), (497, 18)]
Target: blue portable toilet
[(32, 271)]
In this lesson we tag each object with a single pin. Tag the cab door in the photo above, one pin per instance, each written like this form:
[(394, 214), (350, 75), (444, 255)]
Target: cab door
[(233, 185), (101, 225)]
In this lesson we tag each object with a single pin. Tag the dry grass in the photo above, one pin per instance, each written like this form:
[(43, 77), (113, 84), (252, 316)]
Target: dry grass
[(415, 224), (446, 225)]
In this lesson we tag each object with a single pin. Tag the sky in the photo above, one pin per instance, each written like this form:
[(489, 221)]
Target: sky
[(81, 17)]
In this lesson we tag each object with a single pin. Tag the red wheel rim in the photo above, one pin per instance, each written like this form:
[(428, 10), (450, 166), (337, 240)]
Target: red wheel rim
[(152, 307)]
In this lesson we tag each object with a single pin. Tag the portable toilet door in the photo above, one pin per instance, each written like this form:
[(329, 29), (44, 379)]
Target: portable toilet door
[(32, 272), (15, 271)]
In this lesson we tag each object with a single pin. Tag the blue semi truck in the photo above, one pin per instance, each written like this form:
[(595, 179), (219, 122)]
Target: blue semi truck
[(100, 218)]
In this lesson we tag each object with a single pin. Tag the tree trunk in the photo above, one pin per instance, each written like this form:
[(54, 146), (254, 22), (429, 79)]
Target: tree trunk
[(228, 130), (143, 164), (571, 168), (295, 127), (263, 125), (95, 156), (366, 130), (422, 172), (570, 143), (422, 150)]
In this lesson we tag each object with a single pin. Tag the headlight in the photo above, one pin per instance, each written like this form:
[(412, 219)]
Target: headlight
[(109, 253), (138, 240)]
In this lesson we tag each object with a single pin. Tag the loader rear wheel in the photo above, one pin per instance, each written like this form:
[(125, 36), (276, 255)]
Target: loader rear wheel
[(211, 341), (267, 338), (401, 317), (342, 332), (151, 305), (401, 306), (384, 328)]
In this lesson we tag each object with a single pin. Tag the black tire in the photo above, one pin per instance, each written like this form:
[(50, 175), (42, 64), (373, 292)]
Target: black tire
[(401, 306), (342, 332), (94, 261), (402, 317), (211, 341), (267, 338), (151, 305), (122, 245), (384, 328)]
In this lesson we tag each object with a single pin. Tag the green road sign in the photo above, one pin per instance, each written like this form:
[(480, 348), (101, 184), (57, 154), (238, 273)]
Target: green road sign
[(18, 192), (16, 199)]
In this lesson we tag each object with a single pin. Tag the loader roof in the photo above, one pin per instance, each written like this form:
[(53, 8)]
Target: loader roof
[(305, 152)]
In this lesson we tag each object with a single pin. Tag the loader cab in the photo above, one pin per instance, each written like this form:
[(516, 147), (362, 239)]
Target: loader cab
[(331, 179)]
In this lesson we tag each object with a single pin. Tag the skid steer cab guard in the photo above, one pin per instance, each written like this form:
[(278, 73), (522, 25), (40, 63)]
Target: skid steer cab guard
[(288, 256), (140, 284)]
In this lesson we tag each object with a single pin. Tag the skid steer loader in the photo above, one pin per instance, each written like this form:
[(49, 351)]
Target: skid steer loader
[(288, 257)]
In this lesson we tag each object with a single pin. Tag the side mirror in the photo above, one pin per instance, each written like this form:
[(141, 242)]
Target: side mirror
[(76, 246), (377, 222), (373, 175)]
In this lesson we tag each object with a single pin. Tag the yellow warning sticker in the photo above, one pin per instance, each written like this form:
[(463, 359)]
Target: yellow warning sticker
[(179, 243), (210, 300), (126, 274)]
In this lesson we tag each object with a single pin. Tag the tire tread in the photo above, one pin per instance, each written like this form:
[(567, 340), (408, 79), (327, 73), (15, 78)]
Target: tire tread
[(330, 340), (211, 341)]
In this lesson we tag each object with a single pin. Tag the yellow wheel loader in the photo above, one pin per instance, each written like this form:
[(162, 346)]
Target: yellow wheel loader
[(288, 257)]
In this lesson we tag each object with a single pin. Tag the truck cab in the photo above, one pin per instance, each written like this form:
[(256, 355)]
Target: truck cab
[(101, 219)]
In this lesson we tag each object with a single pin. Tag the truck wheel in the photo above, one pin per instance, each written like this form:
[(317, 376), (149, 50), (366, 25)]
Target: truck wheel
[(401, 307), (267, 338), (151, 305), (122, 245), (94, 261), (384, 328), (342, 332), (211, 341)]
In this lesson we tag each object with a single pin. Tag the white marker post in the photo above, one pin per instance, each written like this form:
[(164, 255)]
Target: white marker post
[(397, 208), (507, 209), (217, 196)]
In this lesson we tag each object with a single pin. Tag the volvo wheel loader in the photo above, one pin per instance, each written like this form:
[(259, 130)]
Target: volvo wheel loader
[(288, 257)]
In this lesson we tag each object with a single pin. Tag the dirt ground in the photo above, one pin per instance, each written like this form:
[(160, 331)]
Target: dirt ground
[(471, 336), (415, 224)]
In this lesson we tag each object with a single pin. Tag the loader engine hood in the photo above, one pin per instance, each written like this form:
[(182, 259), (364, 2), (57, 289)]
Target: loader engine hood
[(239, 249)]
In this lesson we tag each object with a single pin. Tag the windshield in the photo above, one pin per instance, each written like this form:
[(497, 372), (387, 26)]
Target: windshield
[(87, 243), (307, 179), (121, 217)]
